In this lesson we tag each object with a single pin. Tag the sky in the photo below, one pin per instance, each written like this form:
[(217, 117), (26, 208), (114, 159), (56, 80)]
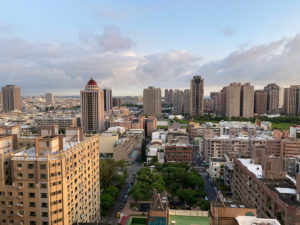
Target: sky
[(56, 46)]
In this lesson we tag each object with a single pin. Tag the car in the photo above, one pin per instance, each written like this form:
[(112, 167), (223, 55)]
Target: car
[(126, 196), (118, 214)]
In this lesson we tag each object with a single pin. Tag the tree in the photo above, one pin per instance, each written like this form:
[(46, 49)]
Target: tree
[(106, 202), (204, 205), (111, 190), (189, 196)]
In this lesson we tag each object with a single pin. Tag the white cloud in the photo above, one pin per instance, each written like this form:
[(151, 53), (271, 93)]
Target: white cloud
[(65, 68)]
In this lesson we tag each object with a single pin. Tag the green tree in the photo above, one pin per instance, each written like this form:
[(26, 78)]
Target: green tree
[(112, 190), (106, 202), (204, 205), (189, 196)]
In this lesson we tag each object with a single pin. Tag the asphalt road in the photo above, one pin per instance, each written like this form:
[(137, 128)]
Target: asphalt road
[(111, 215), (209, 188)]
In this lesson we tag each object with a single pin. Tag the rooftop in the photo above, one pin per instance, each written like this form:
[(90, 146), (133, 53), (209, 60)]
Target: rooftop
[(250, 220), (189, 220), (284, 188)]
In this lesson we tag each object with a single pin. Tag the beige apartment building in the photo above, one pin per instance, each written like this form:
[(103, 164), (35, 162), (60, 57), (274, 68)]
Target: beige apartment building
[(274, 194), (197, 96), (233, 100), (272, 91), (292, 100), (260, 102), (55, 182), (92, 107), (11, 96), (152, 101), (247, 100)]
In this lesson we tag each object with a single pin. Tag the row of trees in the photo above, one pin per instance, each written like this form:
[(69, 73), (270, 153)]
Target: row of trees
[(112, 177)]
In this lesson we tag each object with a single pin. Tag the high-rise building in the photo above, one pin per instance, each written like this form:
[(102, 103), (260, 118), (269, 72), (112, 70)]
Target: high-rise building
[(117, 102), (49, 98), (216, 101), (233, 100), (247, 100), (197, 96), (166, 95), (272, 91), (11, 98), (292, 100), (281, 97), (178, 102), (171, 95), (260, 102), (55, 182), (223, 99), (152, 101), (107, 99), (187, 102), (92, 107)]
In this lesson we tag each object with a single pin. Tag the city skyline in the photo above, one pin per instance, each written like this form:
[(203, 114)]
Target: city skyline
[(126, 45)]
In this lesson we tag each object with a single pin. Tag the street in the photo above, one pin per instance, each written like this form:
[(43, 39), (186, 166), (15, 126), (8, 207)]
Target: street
[(209, 188), (111, 215)]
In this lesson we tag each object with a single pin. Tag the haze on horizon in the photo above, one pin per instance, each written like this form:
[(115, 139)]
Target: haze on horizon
[(129, 45)]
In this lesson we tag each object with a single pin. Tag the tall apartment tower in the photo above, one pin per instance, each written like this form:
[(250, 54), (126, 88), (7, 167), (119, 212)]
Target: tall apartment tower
[(108, 102), (166, 95), (11, 98), (187, 102), (51, 183), (171, 96), (49, 98), (92, 107), (272, 91), (223, 99), (178, 102), (292, 100), (197, 96), (260, 102), (152, 101), (247, 100), (233, 100)]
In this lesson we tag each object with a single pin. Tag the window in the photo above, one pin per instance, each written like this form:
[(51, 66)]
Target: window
[(30, 176), (19, 165), (44, 205), (19, 175), (43, 195), (20, 184), (30, 185), (32, 223), (31, 195), (32, 214), (43, 176), (42, 166), (43, 186), (31, 204), (20, 193), (44, 214), (30, 166), (45, 223), (47, 143)]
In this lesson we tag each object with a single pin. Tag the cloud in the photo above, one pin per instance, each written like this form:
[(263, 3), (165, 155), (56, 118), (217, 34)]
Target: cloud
[(228, 31), (65, 68), (110, 40)]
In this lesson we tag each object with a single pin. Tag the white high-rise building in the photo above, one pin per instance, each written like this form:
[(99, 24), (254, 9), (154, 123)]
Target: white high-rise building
[(92, 107)]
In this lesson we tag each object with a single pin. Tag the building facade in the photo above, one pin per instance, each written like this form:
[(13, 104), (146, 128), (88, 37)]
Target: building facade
[(11, 95), (260, 102), (92, 107), (272, 91), (292, 100), (197, 96), (233, 100), (187, 102), (54, 182), (152, 101), (108, 102), (49, 98), (247, 100), (178, 102)]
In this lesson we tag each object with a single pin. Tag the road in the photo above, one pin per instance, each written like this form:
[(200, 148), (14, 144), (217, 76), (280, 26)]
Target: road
[(111, 215), (209, 188)]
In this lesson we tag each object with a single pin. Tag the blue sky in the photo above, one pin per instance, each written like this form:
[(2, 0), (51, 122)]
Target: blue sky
[(137, 37)]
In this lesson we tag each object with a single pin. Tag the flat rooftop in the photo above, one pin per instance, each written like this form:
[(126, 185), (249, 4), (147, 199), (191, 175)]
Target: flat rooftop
[(285, 189), (250, 220), (189, 220)]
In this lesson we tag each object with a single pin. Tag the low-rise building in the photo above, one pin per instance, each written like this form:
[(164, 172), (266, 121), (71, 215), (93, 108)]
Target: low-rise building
[(216, 167)]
